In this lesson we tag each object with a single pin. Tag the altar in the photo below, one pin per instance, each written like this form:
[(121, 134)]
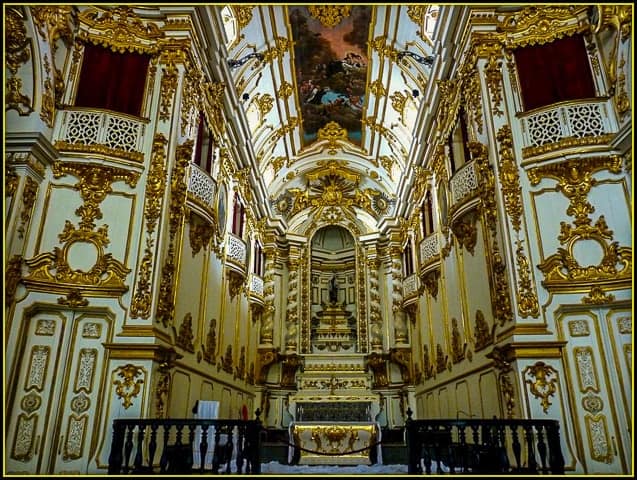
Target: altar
[(328, 443)]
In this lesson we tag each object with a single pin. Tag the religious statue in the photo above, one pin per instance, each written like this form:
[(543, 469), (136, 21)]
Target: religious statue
[(333, 290)]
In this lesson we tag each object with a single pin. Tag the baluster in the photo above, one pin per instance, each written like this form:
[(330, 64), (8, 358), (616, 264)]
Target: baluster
[(163, 461), (556, 459), (450, 448), (240, 439), (462, 447), (531, 461), (179, 427), (191, 441), (140, 447), (541, 446), (501, 449), (115, 458), (203, 446), (216, 452), (517, 449), (152, 446), (230, 447), (128, 447)]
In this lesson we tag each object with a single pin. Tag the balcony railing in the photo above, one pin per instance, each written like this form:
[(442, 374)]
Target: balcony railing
[(105, 132), (464, 183), (410, 287), (182, 446), (483, 446), (591, 118), (201, 186), (430, 249), (236, 252)]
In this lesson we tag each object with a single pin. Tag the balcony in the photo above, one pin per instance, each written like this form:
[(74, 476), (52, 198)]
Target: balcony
[(256, 290), (201, 192), (100, 132), (410, 290), (568, 124), (236, 256), (465, 189), (430, 251)]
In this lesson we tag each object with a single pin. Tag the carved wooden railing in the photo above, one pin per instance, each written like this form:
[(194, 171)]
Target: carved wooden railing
[(483, 446), (168, 446)]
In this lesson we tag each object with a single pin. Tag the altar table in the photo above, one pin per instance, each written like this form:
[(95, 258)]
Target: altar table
[(330, 440)]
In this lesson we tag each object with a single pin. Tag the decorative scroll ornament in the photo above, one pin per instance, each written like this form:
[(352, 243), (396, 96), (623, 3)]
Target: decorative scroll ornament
[(465, 231), (561, 270), (502, 363), (107, 275), (128, 388), (166, 305), (74, 299), (18, 52), (12, 277), (186, 337), (334, 134), (119, 29), (155, 187), (597, 296), (243, 13), (526, 296), (329, 15), (483, 333), (541, 24), (201, 233), (509, 178), (28, 199), (266, 357), (544, 383)]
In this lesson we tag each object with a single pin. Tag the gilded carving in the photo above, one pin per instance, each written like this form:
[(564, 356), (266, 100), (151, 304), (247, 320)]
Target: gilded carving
[(528, 305), (210, 348), (119, 29), (562, 270), (542, 381), (285, 90), (73, 299), (24, 436), (458, 347), (266, 357), (441, 359), (243, 14), (378, 88), (493, 75), (334, 134), (17, 53), (427, 364), (376, 362), (166, 305), (290, 364), (430, 283), (503, 365), (12, 277), (592, 403), (599, 443), (226, 363), (543, 24), (597, 296), (186, 336), (31, 402), (402, 358), (200, 234), (240, 371), (329, 15), (130, 385), (11, 181), (169, 81), (465, 231), (483, 334), (282, 45), (161, 394), (47, 110), (155, 187), (28, 200), (509, 178), (213, 93), (38, 365)]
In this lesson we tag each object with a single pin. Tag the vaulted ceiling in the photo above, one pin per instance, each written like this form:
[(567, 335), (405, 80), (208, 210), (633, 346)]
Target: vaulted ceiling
[(331, 95)]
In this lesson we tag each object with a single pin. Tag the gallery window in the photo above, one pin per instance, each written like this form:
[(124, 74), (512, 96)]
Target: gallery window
[(554, 72), (205, 147), (111, 80), (427, 214), (258, 266), (408, 259), (238, 214)]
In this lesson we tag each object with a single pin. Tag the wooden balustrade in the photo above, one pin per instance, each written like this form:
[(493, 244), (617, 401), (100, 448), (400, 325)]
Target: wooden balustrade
[(484, 446), (166, 446)]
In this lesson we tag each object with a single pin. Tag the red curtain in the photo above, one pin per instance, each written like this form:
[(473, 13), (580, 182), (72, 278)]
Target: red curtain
[(554, 72), (111, 80)]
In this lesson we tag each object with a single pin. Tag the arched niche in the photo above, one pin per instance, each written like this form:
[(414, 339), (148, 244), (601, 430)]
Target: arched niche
[(333, 285)]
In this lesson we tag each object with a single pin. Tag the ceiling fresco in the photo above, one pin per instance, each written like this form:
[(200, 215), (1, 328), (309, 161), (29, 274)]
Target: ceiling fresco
[(331, 85), (330, 60)]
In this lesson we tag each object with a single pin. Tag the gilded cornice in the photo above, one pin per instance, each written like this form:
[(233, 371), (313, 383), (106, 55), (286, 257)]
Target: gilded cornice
[(543, 24), (568, 143), (119, 29)]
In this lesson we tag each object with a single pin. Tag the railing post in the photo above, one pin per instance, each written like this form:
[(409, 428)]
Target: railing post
[(115, 458), (413, 445)]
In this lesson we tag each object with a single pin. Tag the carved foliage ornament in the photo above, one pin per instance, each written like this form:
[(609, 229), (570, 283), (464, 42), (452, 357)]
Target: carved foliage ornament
[(542, 381), (107, 274), (119, 29), (129, 386), (329, 15), (18, 52)]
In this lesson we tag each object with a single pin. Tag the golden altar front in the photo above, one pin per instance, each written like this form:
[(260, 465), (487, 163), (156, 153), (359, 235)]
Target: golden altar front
[(326, 443)]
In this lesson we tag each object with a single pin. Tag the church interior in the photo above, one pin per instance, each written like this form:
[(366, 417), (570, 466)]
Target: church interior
[(321, 215)]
